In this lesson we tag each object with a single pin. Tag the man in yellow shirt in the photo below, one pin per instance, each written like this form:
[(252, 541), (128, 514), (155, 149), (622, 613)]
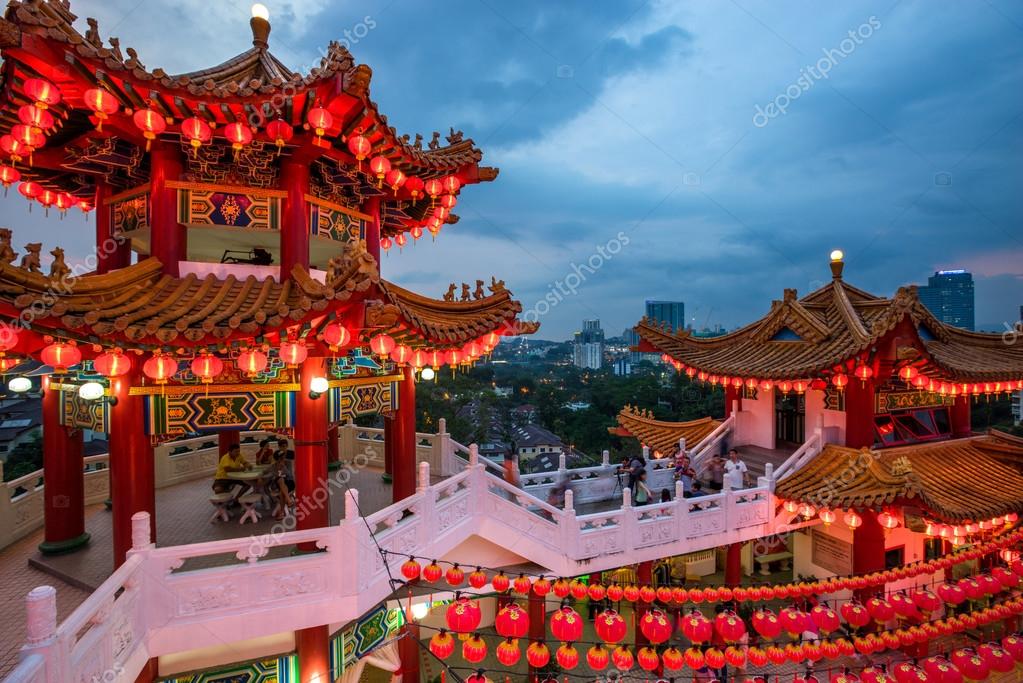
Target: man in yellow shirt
[(232, 461)]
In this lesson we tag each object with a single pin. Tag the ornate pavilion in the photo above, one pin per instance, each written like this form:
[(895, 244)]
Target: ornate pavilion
[(240, 213)]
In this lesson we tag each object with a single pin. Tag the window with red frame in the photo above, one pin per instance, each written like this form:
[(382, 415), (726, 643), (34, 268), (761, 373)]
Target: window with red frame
[(913, 426)]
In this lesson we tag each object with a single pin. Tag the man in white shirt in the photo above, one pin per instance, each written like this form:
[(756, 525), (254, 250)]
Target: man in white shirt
[(735, 470)]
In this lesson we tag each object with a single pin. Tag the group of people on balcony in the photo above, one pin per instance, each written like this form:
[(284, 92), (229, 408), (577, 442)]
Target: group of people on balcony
[(277, 479), (729, 469)]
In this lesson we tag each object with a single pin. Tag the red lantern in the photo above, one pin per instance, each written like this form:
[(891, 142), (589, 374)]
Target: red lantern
[(567, 656), (562, 588), (840, 380), (970, 664), (206, 366), (8, 176), (432, 572), (735, 656), (251, 362), (794, 652), (542, 586), (382, 345), (521, 584), (30, 190), (512, 621), (8, 338), (39, 119), (451, 184), (597, 657), (411, 569), (61, 356), (293, 353), (655, 626), (756, 656), (766, 624), (336, 335), (28, 136), (463, 615), (729, 626), (280, 132), (359, 146), (151, 124), (442, 644), (102, 103), (508, 652), (447, 201), (697, 627), (647, 594), (622, 658), (538, 655), (825, 619), (238, 134), (853, 520), (319, 119), (880, 610), (401, 354), (433, 187), (454, 576), (394, 179), (474, 649), (793, 621), (610, 626), (647, 658), (197, 131), (160, 368), (694, 658), (855, 614), (380, 166), (42, 92), (414, 185), (500, 582), (16, 150), (566, 625), (478, 578)]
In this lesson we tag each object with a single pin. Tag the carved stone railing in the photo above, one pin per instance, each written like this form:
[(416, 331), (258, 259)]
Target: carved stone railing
[(804, 454), (174, 599), (600, 482), (701, 455)]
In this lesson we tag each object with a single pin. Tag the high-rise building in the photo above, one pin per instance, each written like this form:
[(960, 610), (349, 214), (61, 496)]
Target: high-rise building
[(949, 296), (588, 351), (671, 312)]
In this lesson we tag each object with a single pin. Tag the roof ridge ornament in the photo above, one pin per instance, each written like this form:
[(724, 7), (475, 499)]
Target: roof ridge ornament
[(837, 264), (260, 25)]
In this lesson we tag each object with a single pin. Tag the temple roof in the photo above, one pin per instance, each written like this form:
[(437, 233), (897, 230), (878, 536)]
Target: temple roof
[(803, 337), (142, 305), (955, 480), (662, 437)]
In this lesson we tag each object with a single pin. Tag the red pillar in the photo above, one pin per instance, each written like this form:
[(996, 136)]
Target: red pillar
[(311, 491), (372, 207), (111, 253), (132, 475), (732, 399), (960, 417), (227, 439), (294, 217), (64, 494), (333, 448), (390, 440), (150, 672), (644, 577), (404, 429), (868, 549), (408, 653), (537, 607), (859, 413), (313, 647), (733, 565), (168, 239)]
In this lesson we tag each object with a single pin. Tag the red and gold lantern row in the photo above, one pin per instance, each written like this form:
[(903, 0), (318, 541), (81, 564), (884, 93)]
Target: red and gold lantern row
[(512, 621), (442, 644), (206, 367), (280, 132), (160, 368), (463, 615), (293, 353), (102, 103), (61, 356), (360, 147), (197, 132), (566, 625), (336, 336), (151, 123), (239, 135), (380, 166), (251, 362), (320, 120), (43, 93)]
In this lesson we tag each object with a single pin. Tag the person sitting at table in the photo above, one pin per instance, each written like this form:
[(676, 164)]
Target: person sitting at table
[(232, 461), (281, 484), (264, 456)]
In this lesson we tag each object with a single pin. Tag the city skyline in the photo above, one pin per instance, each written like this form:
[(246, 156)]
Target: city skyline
[(600, 206)]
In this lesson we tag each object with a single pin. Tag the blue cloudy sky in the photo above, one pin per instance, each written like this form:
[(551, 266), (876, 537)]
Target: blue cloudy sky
[(628, 139)]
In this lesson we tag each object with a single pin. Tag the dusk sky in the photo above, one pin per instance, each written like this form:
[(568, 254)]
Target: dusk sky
[(643, 148)]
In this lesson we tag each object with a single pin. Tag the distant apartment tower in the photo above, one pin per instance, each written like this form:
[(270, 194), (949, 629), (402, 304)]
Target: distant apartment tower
[(671, 312), (949, 296), (588, 351)]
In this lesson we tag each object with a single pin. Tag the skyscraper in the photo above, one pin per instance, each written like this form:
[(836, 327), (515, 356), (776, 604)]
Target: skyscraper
[(588, 351), (949, 296), (671, 312)]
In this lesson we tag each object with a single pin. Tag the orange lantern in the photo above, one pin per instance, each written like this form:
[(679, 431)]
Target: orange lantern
[(411, 569), (567, 656), (197, 132), (280, 132), (622, 658), (382, 345), (395, 179), (454, 576), (360, 147), (102, 103), (647, 658), (160, 368), (507, 652), (597, 657), (672, 659), (61, 356), (478, 578), (293, 353), (336, 335), (442, 644), (207, 366), (541, 586), (319, 119), (151, 124), (852, 520), (474, 649), (380, 166), (239, 135), (251, 362), (432, 572), (538, 655), (500, 582), (42, 92)]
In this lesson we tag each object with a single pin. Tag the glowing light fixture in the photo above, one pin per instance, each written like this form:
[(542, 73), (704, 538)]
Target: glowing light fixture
[(20, 385)]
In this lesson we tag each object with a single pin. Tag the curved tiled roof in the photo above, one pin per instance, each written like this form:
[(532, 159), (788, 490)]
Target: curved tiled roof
[(662, 437), (802, 338), (958, 480)]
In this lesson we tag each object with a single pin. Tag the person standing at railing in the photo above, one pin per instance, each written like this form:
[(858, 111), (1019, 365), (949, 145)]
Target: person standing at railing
[(643, 494), (736, 471)]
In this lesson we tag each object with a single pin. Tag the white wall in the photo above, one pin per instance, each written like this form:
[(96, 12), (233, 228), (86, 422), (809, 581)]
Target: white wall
[(833, 421), (756, 421)]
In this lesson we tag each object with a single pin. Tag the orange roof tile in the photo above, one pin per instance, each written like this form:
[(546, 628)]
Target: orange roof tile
[(958, 480), (662, 437)]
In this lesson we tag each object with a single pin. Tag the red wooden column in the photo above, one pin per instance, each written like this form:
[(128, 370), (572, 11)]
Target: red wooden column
[(111, 253), (150, 672), (859, 413), (64, 494), (168, 239), (333, 448), (959, 414), (868, 549), (313, 647), (404, 430), (537, 607), (733, 565), (644, 577), (132, 475), (312, 494), (227, 439), (294, 217), (390, 439), (408, 653), (733, 398), (372, 208)]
